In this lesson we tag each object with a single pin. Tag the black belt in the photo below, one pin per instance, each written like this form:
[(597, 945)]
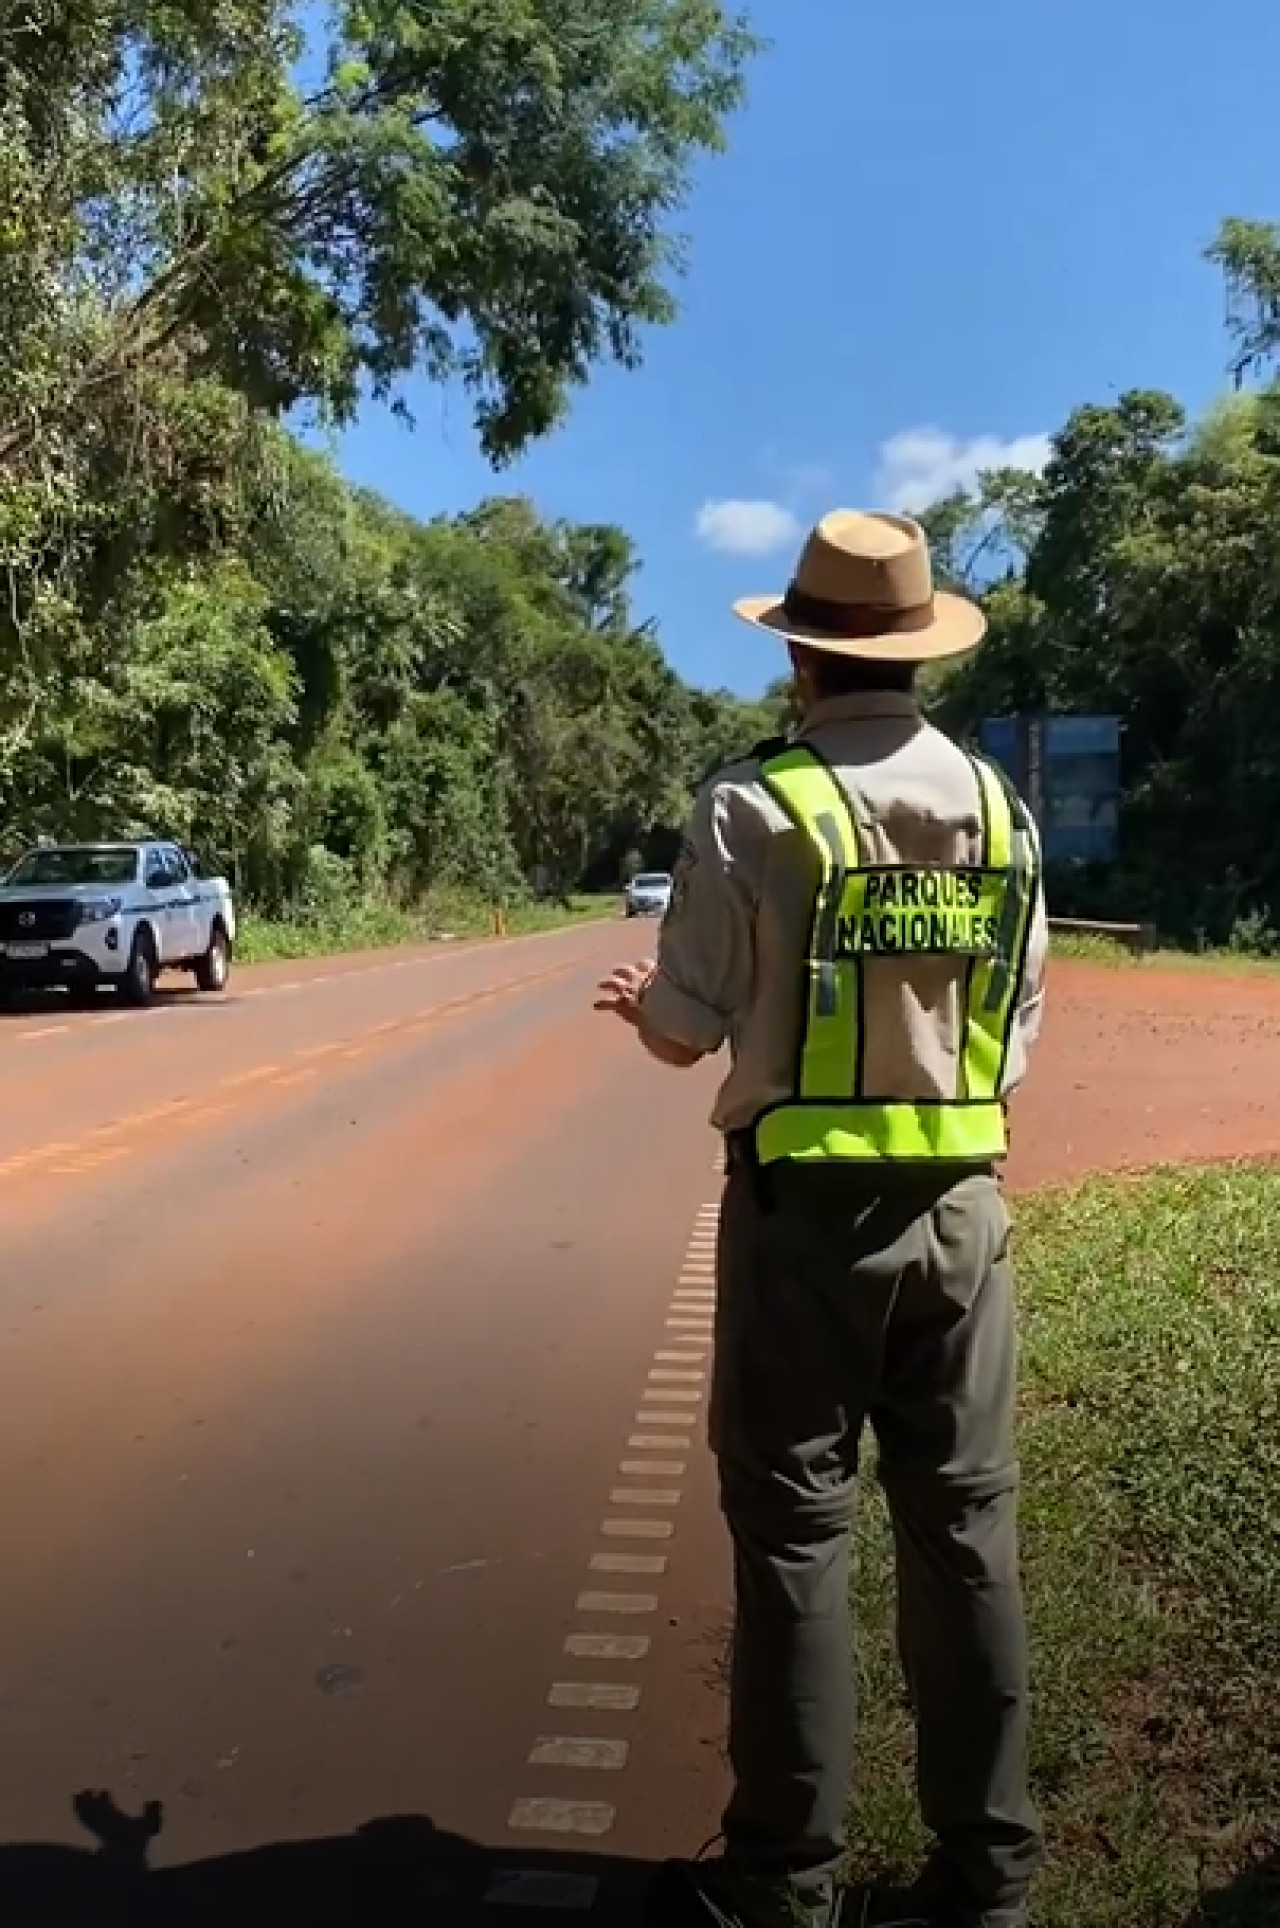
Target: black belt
[(740, 1159), (740, 1151)]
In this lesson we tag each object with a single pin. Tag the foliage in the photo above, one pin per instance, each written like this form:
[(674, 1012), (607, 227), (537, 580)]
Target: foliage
[(1140, 576), (217, 219), (474, 188), (1151, 1542), (362, 704), (349, 923)]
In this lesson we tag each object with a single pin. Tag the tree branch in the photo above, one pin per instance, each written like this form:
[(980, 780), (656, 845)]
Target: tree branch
[(132, 341)]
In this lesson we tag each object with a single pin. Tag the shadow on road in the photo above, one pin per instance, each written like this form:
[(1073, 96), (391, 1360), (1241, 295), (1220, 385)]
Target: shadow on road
[(100, 1004), (400, 1872), (389, 1874)]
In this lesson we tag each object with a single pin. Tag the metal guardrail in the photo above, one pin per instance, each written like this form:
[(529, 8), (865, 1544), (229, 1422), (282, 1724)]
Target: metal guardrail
[(1136, 937)]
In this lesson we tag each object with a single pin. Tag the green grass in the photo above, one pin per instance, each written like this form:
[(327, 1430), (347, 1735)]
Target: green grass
[(1087, 949), (1150, 1446), (372, 926)]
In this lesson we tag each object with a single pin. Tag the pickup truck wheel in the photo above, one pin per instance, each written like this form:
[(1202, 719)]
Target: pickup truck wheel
[(138, 985), (214, 968)]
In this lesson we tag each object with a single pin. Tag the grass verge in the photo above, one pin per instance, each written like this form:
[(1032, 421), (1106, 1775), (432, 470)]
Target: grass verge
[(369, 927), (1088, 949), (1151, 1533)]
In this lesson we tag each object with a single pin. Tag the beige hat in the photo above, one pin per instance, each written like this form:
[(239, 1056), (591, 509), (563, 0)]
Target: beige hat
[(864, 587)]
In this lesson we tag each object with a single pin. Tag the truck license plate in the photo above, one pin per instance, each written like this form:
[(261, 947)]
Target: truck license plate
[(24, 952)]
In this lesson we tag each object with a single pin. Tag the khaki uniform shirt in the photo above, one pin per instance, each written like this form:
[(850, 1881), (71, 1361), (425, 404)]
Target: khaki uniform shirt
[(732, 951)]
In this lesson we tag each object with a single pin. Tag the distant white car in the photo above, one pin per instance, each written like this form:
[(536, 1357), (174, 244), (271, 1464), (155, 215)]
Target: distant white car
[(84, 915), (649, 894)]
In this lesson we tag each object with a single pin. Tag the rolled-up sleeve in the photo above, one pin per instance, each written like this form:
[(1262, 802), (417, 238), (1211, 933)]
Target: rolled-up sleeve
[(1031, 1001), (706, 950), (1030, 1012)]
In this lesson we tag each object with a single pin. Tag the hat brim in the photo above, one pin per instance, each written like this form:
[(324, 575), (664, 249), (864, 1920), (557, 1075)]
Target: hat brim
[(958, 626)]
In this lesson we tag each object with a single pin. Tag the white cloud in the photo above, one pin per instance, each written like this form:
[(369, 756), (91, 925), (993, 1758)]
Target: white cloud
[(747, 528), (922, 465)]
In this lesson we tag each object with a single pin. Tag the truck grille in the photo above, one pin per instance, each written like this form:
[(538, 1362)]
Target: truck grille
[(42, 921)]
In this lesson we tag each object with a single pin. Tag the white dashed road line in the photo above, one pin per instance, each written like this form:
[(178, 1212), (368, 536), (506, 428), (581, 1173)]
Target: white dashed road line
[(552, 1888), (637, 1529), (675, 1388), (578, 1750), (632, 1563), (628, 1603), (614, 1696), (562, 1817), (607, 1646)]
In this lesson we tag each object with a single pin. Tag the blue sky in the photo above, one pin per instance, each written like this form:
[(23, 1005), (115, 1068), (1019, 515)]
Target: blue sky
[(937, 229)]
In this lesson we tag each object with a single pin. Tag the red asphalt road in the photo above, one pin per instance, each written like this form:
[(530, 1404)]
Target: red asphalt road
[(327, 1310)]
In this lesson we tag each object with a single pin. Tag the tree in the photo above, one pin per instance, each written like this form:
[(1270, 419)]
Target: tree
[(1151, 590), (475, 188), (213, 217), (1248, 255)]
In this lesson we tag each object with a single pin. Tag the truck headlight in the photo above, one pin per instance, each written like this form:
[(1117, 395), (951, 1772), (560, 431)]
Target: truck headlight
[(99, 910)]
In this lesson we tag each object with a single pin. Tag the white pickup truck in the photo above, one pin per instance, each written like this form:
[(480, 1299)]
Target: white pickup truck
[(85, 915)]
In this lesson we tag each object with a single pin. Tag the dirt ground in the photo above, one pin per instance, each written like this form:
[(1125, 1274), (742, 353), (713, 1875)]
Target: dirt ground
[(1143, 1066)]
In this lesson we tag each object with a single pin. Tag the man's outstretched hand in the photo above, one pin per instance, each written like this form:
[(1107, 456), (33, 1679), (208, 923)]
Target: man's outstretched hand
[(620, 993), (623, 989)]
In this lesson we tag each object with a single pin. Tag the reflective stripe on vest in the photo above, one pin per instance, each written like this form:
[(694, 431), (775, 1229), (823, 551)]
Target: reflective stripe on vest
[(979, 916)]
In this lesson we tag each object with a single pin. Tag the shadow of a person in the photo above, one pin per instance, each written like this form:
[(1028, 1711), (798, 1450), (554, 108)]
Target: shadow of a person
[(390, 1873), (1251, 1900)]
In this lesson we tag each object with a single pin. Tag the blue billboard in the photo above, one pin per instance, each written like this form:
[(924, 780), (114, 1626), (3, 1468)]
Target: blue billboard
[(1068, 769)]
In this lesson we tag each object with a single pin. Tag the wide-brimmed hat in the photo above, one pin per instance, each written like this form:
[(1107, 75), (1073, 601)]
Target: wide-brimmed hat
[(864, 587)]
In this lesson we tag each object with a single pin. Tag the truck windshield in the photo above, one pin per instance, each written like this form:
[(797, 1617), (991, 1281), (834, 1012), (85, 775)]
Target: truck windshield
[(78, 866)]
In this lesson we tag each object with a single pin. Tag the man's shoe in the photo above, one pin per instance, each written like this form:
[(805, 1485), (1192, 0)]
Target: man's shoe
[(884, 1908), (702, 1894), (690, 1894), (921, 1907)]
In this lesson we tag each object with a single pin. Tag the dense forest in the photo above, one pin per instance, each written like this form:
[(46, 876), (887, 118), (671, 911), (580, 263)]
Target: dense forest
[(1140, 576), (215, 233), (220, 234)]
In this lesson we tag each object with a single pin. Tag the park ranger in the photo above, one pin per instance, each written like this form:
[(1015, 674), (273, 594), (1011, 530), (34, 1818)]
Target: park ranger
[(858, 914)]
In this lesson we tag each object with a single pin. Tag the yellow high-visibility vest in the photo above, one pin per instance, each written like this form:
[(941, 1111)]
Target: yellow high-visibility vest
[(977, 916)]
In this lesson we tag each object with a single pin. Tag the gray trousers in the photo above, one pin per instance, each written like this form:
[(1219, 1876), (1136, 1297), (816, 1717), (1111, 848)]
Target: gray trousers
[(846, 1298)]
